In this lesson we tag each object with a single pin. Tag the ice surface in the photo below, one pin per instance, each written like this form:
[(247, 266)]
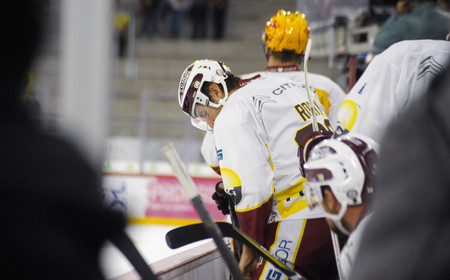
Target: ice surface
[(151, 243)]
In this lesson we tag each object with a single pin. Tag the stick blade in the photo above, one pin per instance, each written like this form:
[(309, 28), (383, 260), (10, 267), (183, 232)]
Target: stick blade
[(185, 235)]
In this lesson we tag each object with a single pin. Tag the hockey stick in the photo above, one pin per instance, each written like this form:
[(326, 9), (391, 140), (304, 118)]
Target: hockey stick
[(208, 224), (315, 126), (308, 90), (235, 222), (123, 242), (187, 234), (337, 253), (233, 216)]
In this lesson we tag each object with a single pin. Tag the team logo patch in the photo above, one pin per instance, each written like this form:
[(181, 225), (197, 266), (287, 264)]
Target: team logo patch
[(115, 198), (184, 81), (273, 275), (361, 89), (219, 154), (429, 66)]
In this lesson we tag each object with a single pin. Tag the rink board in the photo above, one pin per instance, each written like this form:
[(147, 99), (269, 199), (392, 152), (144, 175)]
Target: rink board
[(158, 199)]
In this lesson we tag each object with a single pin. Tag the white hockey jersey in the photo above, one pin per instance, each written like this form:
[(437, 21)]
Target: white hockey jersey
[(393, 79), (330, 96), (256, 135), (330, 93)]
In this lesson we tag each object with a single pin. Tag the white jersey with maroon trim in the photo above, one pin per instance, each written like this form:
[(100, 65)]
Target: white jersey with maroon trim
[(393, 79), (330, 95), (256, 135)]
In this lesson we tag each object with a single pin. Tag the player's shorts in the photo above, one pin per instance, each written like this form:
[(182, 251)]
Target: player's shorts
[(305, 244)]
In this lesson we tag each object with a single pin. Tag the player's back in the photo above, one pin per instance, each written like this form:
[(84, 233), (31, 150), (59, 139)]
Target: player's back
[(273, 114), (330, 93), (390, 83)]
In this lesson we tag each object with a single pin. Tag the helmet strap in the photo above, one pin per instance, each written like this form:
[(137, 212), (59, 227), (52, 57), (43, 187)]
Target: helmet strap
[(337, 219), (222, 101)]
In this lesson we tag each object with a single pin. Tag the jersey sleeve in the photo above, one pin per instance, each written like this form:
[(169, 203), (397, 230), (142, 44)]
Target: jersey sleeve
[(373, 101), (246, 170), (336, 95), (209, 152)]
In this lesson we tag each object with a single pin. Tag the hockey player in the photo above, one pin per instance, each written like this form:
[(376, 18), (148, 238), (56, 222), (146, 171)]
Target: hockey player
[(339, 175), (408, 234), (257, 123), (391, 81), (284, 41)]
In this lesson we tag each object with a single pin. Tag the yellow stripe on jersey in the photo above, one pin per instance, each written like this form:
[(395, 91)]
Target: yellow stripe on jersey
[(287, 232), (295, 203), (214, 166), (323, 98), (256, 206), (291, 191), (270, 157), (299, 242), (291, 209), (270, 249), (347, 114)]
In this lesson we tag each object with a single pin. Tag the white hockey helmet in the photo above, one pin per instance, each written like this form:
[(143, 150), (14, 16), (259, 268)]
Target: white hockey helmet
[(347, 166), (190, 88)]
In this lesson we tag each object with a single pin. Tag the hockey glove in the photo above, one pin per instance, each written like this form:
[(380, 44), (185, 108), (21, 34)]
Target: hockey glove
[(221, 198)]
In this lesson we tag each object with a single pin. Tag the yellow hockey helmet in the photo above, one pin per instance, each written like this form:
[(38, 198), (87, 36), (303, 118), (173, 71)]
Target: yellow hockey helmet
[(286, 32)]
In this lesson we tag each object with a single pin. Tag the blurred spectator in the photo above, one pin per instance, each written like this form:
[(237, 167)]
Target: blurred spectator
[(121, 23), (444, 5), (413, 20), (150, 10), (199, 15), (219, 18), (53, 220), (176, 10)]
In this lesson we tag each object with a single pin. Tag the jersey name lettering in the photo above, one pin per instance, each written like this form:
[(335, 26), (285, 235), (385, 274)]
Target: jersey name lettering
[(305, 112)]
